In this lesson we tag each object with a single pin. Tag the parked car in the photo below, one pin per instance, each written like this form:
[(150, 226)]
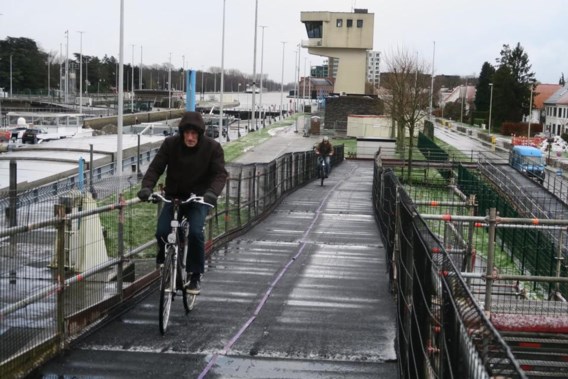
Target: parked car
[(33, 135)]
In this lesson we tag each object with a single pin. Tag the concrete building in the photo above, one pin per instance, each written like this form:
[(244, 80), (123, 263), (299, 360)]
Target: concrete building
[(556, 112), (373, 68), (343, 37), (315, 88)]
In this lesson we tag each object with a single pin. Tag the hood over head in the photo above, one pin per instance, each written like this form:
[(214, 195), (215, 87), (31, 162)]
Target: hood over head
[(191, 120)]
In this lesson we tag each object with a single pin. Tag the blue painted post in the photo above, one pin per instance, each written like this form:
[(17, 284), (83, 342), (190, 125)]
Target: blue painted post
[(81, 181), (190, 90)]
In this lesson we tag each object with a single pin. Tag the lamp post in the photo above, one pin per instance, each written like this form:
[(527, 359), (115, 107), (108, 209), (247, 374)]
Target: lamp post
[(81, 72), (462, 93), (432, 82), (10, 75), (298, 78), (120, 119), (261, 64), (132, 84), (170, 83), (183, 73), (253, 117), (66, 68), (140, 70), (530, 112), (304, 86), (282, 80), (48, 74), (490, 105), (222, 79), (201, 97)]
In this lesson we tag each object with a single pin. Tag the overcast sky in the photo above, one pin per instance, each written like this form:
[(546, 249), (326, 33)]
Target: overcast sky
[(466, 33)]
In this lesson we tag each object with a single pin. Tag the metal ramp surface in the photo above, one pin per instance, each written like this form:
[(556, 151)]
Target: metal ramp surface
[(304, 294)]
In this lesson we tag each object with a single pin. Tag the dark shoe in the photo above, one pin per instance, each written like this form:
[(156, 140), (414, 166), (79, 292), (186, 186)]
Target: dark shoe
[(194, 287)]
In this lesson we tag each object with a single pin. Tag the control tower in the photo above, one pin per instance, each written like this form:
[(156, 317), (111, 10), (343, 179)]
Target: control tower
[(346, 36)]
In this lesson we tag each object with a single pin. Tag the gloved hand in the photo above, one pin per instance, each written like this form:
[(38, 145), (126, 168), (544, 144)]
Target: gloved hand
[(144, 194), (210, 198)]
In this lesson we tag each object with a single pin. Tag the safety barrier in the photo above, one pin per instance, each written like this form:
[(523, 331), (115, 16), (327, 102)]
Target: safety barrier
[(71, 260)]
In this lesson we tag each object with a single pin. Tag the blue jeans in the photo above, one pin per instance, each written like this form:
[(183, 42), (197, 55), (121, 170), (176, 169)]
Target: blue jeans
[(327, 160), (195, 214)]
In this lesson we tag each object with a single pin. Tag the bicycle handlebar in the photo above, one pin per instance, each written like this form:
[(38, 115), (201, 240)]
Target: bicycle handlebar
[(191, 199)]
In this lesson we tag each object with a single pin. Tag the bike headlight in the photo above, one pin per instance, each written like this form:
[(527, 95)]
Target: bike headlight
[(171, 238)]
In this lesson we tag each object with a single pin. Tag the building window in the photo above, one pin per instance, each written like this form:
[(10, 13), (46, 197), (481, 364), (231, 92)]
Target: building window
[(339, 22), (359, 23), (349, 23), (314, 29)]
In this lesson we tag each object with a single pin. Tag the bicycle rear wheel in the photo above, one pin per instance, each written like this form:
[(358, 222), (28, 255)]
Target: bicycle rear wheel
[(167, 291)]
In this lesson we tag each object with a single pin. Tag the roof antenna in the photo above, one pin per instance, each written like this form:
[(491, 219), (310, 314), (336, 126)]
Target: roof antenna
[(353, 5)]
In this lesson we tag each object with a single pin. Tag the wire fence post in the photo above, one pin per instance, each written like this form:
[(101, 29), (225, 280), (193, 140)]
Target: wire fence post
[(120, 266), (12, 214), (60, 213), (490, 257)]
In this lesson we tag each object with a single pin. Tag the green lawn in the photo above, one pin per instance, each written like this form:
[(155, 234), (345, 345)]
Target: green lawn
[(235, 149)]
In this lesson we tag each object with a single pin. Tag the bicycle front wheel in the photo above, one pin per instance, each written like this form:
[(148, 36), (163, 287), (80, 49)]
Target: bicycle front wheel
[(167, 291)]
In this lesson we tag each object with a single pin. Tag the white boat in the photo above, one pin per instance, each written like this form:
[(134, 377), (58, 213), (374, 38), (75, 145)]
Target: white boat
[(248, 89), (56, 125)]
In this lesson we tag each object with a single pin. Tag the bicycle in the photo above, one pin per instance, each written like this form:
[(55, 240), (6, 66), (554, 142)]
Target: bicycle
[(322, 172), (173, 273)]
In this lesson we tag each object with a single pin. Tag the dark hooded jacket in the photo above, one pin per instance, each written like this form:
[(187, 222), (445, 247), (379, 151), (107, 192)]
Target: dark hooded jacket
[(188, 170)]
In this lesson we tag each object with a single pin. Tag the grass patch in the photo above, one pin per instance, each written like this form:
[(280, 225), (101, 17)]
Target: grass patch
[(349, 143), (236, 148)]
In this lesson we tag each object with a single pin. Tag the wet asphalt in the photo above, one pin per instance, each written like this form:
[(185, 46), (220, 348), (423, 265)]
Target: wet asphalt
[(304, 294)]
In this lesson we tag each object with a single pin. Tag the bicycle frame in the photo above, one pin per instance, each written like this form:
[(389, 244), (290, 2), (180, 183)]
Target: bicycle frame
[(174, 263)]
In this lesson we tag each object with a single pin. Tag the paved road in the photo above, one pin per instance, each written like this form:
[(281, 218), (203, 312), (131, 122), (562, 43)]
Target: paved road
[(304, 294)]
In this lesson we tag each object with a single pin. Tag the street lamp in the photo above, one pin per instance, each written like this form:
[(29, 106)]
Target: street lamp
[(253, 117), (222, 81), (170, 83), (282, 80), (140, 70), (132, 84), (81, 72), (261, 64), (490, 105), (530, 112), (10, 75)]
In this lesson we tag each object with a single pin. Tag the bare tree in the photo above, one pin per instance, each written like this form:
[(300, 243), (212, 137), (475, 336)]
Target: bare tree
[(408, 81)]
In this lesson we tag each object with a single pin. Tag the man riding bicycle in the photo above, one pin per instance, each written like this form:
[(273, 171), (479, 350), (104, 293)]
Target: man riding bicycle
[(194, 163), (325, 150)]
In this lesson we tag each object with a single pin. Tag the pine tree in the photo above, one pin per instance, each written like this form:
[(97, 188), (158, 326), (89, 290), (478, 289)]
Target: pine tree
[(483, 89)]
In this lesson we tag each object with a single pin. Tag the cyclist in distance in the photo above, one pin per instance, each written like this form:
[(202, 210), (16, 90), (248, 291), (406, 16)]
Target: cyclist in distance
[(194, 163), (325, 150)]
